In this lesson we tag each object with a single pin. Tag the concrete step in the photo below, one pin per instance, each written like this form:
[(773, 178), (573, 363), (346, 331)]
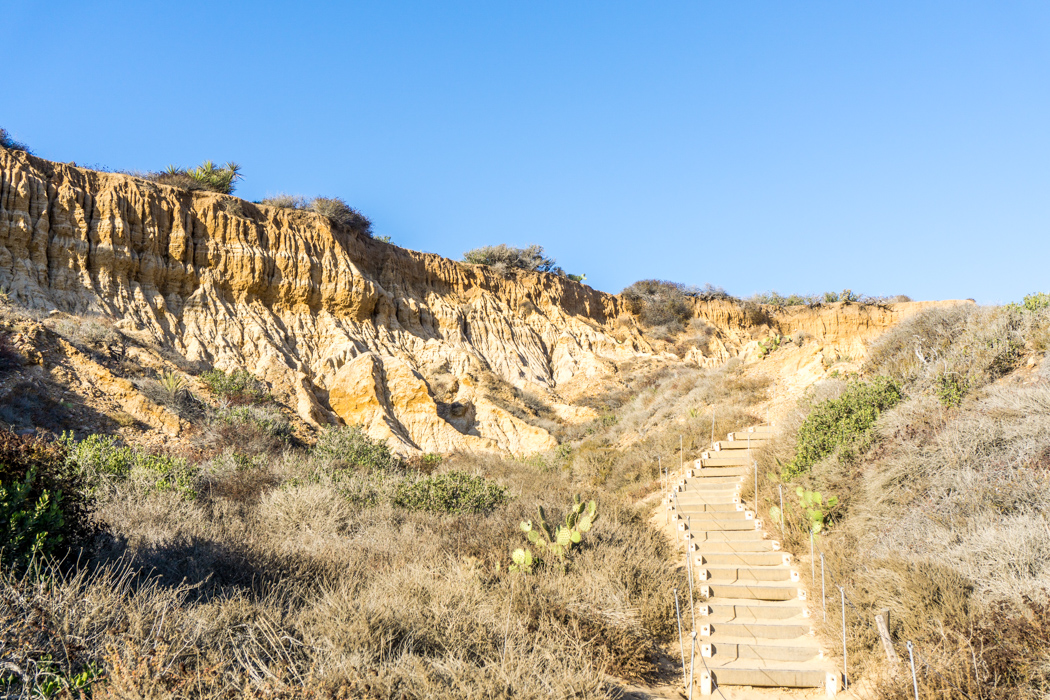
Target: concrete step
[(741, 558), (725, 508), (749, 545), (745, 437), (704, 472), (717, 460), (746, 574), (718, 478), (704, 516), (697, 487), (717, 525), (701, 537), (722, 650), (783, 674), (754, 631), (749, 609), (726, 445), (694, 498), (758, 590)]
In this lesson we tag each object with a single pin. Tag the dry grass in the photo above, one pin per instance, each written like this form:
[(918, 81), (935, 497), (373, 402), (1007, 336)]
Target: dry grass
[(273, 583), (945, 520)]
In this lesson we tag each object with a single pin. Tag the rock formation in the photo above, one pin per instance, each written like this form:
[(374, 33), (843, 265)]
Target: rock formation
[(343, 328)]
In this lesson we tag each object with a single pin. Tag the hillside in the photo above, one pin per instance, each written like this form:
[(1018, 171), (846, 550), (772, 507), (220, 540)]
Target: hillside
[(255, 453)]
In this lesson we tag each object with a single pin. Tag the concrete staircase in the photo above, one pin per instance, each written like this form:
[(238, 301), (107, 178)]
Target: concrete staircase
[(753, 623)]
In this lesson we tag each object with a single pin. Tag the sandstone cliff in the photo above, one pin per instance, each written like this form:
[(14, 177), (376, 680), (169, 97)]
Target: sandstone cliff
[(342, 327)]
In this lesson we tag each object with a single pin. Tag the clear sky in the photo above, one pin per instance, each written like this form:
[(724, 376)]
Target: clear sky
[(888, 147)]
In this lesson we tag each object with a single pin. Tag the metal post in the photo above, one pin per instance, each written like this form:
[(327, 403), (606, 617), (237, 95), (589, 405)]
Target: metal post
[(681, 455), (689, 570), (914, 680), (845, 675), (812, 563), (823, 596), (692, 660), (782, 514), (712, 427), (681, 644), (754, 465)]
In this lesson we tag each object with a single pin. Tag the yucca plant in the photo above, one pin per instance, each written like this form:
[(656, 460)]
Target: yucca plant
[(206, 176), (217, 179), (173, 383)]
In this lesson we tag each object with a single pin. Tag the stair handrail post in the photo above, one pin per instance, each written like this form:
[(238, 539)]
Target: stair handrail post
[(812, 562), (754, 465), (681, 642), (823, 595), (689, 570), (780, 487), (845, 662), (914, 680), (692, 661)]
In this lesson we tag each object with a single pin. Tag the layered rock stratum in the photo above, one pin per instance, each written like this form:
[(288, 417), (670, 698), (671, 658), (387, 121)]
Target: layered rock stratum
[(343, 328)]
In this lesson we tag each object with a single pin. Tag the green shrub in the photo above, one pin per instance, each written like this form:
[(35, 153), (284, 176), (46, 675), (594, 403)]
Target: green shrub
[(285, 201), (100, 459), (951, 388), (238, 386), (334, 208), (659, 302), (774, 298), (453, 493), (267, 420), (343, 214), (350, 447), (206, 176), (1033, 302), (43, 507), (6, 141), (503, 257), (165, 473), (842, 423)]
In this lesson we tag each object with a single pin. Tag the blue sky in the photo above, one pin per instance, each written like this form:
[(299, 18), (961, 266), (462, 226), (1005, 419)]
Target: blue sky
[(888, 147)]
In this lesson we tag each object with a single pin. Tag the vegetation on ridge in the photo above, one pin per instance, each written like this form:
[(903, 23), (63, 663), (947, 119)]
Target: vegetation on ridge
[(8, 142), (207, 176)]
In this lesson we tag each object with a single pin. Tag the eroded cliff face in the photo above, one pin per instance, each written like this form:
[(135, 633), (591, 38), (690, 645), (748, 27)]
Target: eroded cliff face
[(315, 311), (342, 327)]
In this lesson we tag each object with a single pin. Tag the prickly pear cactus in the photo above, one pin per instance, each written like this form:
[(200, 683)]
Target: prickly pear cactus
[(522, 559), (560, 540)]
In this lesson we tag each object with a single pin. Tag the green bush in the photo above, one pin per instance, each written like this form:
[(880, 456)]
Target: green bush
[(238, 386), (165, 473), (206, 176), (453, 493), (659, 302), (343, 214), (1033, 302), (100, 459), (285, 201), (43, 506), (503, 257), (334, 208), (843, 423), (6, 141), (266, 420), (951, 388), (350, 447)]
